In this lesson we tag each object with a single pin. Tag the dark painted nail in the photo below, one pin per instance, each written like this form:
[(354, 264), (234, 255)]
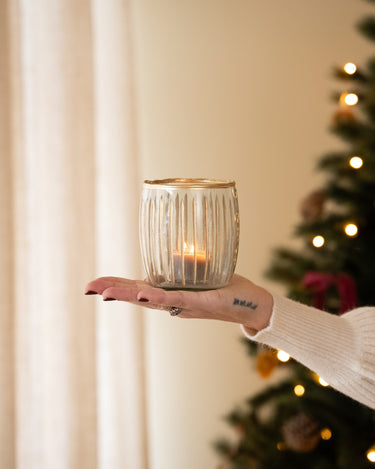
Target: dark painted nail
[(91, 292), (109, 299), (143, 300)]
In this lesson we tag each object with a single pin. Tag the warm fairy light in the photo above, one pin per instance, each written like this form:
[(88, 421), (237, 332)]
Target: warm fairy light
[(299, 390), (350, 99), (351, 229), (283, 356), (350, 68), (318, 241), (356, 162), (322, 382), (371, 454), (326, 434)]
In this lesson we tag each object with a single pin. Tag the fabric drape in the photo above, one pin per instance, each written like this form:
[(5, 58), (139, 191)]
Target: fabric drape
[(71, 368)]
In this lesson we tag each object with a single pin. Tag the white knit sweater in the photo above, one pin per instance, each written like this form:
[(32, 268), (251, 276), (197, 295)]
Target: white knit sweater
[(340, 349)]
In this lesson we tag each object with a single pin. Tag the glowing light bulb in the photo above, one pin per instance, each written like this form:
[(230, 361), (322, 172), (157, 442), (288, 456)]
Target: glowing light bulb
[(299, 390), (318, 241), (350, 68), (322, 382), (350, 99), (371, 454), (351, 229), (283, 356), (281, 446), (356, 162), (326, 434)]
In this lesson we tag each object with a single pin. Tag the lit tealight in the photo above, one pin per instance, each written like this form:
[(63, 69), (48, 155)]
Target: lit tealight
[(322, 382), (318, 241), (283, 356), (299, 390), (351, 229), (371, 454), (350, 99), (350, 68), (326, 434), (356, 162)]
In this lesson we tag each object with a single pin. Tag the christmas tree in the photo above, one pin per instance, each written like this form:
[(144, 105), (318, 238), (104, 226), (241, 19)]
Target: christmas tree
[(302, 422)]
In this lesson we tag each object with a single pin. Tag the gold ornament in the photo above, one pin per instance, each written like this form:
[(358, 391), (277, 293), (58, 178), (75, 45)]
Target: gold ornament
[(266, 362)]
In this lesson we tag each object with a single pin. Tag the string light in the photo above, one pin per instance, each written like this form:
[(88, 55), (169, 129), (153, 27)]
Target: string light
[(351, 229), (283, 356), (281, 446), (319, 379), (356, 162), (318, 241), (299, 390), (350, 68), (371, 454), (350, 99), (322, 382), (326, 434)]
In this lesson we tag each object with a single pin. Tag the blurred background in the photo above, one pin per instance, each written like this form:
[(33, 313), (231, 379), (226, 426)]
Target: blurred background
[(96, 97)]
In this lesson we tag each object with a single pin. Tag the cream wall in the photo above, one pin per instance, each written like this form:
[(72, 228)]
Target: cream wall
[(230, 89)]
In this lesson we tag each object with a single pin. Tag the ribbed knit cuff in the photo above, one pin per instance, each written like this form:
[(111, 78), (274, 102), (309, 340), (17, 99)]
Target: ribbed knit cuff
[(362, 320), (340, 349), (313, 337)]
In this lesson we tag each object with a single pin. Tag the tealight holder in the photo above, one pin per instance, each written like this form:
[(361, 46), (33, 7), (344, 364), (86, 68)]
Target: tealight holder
[(189, 232)]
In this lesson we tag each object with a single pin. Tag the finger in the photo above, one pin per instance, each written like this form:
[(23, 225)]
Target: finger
[(187, 300), (100, 284), (122, 293), (129, 295)]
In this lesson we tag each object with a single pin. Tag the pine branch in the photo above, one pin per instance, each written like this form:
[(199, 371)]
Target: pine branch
[(357, 76), (367, 27)]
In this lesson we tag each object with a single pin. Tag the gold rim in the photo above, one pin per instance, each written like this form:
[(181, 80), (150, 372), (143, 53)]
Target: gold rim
[(184, 183)]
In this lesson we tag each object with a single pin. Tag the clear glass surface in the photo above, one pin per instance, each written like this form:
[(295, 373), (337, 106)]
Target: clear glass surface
[(189, 232)]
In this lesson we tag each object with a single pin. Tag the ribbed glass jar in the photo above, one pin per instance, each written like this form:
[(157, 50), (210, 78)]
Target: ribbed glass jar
[(189, 232)]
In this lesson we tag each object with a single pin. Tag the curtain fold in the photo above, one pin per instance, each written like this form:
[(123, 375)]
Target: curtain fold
[(71, 371), (121, 408), (7, 448)]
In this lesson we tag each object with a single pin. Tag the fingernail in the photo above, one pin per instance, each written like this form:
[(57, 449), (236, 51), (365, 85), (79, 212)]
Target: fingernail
[(143, 300), (91, 292), (109, 299)]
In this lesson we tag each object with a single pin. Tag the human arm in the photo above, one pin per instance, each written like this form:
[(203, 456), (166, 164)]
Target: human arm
[(341, 349), (241, 302)]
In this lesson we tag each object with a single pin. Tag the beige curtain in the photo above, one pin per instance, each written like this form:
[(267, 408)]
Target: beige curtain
[(71, 367)]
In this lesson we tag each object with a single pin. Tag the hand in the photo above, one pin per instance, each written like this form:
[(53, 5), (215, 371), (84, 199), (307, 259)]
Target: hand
[(241, 301)]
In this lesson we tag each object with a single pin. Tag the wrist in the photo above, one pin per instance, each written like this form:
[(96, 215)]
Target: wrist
[(260, 318)]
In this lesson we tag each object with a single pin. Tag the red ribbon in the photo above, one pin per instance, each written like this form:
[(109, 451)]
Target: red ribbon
[(319, 282)]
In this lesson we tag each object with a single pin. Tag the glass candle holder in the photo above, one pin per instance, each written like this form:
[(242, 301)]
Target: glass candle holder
[(189, 232)]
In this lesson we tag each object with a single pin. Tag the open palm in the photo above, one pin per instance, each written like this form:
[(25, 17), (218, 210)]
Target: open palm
[(241, 301)]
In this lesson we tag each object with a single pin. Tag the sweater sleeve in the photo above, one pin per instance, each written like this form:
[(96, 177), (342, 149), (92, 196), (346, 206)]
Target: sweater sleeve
[(341, 349)]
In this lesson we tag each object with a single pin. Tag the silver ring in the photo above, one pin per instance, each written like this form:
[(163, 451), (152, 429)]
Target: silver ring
[(174, 310)]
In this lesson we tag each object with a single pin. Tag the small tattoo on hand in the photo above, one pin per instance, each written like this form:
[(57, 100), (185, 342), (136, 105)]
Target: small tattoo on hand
[(247, 304)]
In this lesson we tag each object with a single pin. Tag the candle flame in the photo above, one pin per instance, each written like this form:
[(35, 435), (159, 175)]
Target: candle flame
[(190, 249)]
